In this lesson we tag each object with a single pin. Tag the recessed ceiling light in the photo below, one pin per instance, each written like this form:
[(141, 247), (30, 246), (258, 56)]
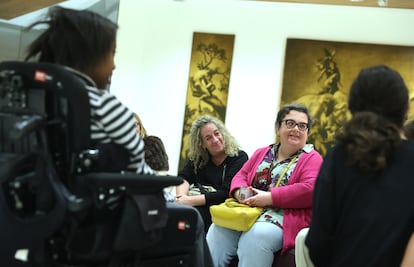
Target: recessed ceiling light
[(356, 0), (383, 2)]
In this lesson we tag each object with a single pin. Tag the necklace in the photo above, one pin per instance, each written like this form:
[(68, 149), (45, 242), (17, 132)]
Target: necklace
[(285, 170), (276, 160)]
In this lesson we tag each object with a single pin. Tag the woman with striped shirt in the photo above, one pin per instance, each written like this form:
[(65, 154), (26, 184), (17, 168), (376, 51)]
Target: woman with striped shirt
[(85, 43)]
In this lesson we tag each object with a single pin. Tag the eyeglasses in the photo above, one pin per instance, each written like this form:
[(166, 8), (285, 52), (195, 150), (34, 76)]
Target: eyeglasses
[(290, 124)]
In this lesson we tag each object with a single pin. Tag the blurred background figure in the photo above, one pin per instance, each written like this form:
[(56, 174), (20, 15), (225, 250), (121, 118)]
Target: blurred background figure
[(139, 126)]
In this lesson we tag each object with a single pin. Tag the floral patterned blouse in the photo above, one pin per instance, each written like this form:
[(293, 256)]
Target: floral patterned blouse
[(267, 176)]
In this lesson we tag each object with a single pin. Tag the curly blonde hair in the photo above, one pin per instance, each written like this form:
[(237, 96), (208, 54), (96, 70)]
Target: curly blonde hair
[(197, 153)]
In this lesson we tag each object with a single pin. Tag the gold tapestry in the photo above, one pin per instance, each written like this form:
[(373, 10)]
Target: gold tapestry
[(208, 82), (319, 75)]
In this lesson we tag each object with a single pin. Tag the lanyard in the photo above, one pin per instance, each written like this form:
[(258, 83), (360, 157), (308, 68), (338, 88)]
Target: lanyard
[(285, 170)]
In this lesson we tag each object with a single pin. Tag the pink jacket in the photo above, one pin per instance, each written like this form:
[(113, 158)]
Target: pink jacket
[(295, 197)]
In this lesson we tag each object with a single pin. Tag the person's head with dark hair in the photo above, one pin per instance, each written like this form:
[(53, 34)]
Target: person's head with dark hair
[(155, 154), (297, 107), (293, 125), (378, 101), (79, 39), (380, 90)]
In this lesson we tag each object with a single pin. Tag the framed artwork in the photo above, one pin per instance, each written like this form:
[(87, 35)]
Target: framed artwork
[(319, 74), (208, 82)]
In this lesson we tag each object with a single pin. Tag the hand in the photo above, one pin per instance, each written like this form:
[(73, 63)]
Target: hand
[(245, 192), (199, 200), (259, 199), (183, 199)]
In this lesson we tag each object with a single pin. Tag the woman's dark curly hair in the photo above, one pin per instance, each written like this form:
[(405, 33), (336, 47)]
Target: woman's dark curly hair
[(378, 102), (155, 155)]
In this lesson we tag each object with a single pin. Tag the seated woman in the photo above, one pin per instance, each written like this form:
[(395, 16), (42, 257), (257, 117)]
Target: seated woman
[(362, 206), (214, 158), (155, 155), (139, 126), (281, 178), (84, 42)]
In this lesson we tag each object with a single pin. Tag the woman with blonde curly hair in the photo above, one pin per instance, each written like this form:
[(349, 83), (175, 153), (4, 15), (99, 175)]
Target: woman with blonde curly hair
[(214, 158)]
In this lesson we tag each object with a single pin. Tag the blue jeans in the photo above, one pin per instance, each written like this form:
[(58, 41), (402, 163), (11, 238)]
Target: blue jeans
[(254, 247)]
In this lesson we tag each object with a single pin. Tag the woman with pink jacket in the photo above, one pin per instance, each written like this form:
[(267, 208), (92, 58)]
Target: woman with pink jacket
[(281, 179)]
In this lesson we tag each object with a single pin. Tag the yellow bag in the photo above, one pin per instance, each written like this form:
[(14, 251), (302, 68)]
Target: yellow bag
[(234, 215)]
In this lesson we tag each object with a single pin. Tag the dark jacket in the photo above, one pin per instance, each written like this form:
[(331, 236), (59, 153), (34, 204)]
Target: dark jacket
[(217, 176), (362, 220)]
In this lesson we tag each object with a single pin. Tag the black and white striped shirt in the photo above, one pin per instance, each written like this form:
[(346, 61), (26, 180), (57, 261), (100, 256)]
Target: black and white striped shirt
[(112, 122)]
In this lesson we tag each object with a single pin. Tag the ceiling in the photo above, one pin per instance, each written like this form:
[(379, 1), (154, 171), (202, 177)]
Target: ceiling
[(13, 8), (363, 3)]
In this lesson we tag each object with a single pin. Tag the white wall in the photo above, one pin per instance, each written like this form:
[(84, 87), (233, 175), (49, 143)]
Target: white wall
[(154, 50)]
